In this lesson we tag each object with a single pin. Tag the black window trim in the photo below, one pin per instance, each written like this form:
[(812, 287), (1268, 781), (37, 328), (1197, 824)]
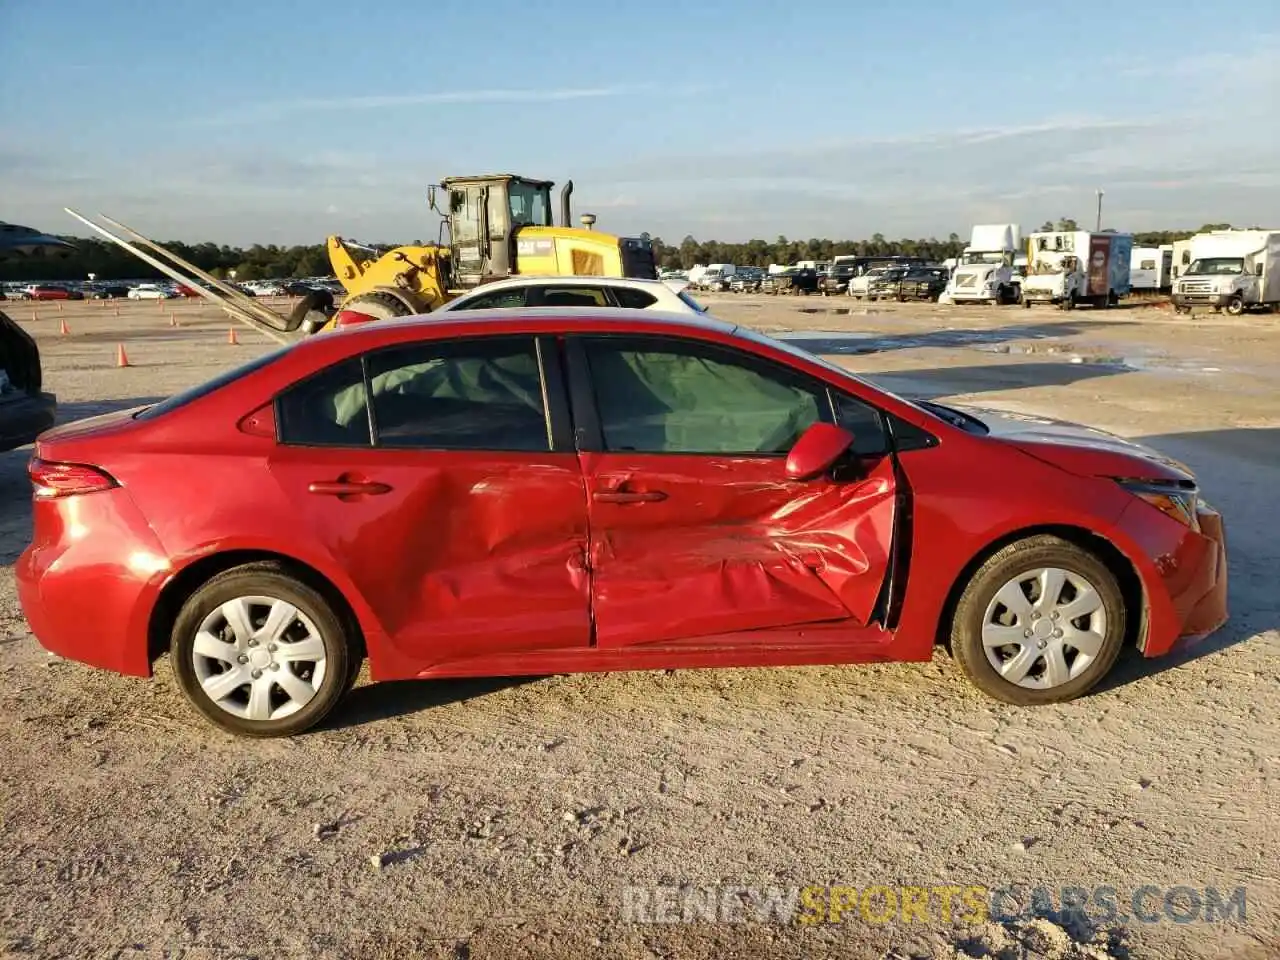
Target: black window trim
[(589, 433), (555, 401)]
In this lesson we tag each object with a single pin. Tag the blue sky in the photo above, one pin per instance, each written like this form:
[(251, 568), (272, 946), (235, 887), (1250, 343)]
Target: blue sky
[(282, 122)]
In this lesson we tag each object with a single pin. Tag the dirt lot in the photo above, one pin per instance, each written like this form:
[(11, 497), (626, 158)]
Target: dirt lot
[(505, 818)]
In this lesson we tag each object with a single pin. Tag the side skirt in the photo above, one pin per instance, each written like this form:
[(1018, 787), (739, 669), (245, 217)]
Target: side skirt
[(794, 646)]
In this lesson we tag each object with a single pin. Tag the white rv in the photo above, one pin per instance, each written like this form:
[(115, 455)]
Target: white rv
[(1077, 266), (1150, 268), (985, 271), (1181, 258), (1231, 270)]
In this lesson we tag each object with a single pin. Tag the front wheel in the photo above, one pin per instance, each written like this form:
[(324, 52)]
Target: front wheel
[(1041, 621), (260, 653), (1235, 306)]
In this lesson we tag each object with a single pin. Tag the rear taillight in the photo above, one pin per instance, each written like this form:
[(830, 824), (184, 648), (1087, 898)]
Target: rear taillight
[(349, 318), (52, 481)]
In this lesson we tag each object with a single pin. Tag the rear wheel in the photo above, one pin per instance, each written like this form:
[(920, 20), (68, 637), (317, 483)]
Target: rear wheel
[(1041, 621), (261, 653)]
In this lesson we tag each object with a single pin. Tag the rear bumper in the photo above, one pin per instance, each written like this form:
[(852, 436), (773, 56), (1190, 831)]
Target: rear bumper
[(90, 579), (1184, 573), (24, 418)]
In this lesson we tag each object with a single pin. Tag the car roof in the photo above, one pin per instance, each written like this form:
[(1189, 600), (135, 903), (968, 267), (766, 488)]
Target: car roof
[(549, 318), (566, 281)]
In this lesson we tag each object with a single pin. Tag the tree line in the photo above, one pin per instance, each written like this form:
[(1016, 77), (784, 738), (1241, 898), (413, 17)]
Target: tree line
[(106, 261)]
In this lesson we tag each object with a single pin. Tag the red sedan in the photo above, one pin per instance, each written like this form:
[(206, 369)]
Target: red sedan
[(527, 492)]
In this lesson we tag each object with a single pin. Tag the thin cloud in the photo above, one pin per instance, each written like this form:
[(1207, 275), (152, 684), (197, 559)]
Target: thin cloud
[(282, 108)]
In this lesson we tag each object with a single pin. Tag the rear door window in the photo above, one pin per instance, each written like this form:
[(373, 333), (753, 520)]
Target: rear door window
[(568, 296), (633, 299), (506, 297)]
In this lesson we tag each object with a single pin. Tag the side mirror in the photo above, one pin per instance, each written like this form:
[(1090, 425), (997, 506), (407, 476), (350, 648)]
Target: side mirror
[(817, 451)]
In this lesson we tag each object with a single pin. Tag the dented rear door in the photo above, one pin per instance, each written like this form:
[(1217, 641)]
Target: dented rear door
[(453, 500), (694, 528)]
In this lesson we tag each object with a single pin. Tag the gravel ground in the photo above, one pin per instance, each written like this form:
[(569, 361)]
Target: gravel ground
[(507, 818)]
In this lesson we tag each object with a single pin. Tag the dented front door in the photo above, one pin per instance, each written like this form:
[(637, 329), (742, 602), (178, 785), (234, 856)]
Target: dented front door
[(685, 543)]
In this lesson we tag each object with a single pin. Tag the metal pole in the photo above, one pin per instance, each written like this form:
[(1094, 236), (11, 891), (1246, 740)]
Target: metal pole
[(1098, 228)]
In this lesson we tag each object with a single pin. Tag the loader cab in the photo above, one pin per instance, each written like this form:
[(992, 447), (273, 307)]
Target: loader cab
[(503, 225), (484, 215)]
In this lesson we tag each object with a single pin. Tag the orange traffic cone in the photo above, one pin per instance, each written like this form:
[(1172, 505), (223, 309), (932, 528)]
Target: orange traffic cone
[(122, 358), (63, 329), (231, 337), (59, 306), (173, 319), (35, 315), (117, 311)]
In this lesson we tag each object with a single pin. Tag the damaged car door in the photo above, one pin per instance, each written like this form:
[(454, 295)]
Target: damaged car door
[(441, 476), (695, 528)]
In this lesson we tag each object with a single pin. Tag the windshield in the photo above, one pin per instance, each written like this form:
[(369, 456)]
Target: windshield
[(1217, 266), (530, 205), (978, 256), (209, 386)]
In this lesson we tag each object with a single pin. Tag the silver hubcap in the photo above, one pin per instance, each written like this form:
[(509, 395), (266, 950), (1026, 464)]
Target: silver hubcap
[(1044, 628), (259, 658)]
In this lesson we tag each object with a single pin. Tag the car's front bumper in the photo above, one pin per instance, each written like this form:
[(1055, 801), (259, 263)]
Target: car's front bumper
[(1184, 574), (1202, 299)]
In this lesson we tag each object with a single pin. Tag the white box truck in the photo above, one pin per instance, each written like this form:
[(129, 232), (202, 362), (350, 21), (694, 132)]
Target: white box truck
[(985, 271), (1077, 266), (1232, 271), (716, 276), (1150, 269)]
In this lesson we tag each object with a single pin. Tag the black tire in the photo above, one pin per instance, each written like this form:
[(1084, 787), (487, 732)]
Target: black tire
[(1069, 303), (318, 302), (1026, 304), (380, 306), (1001, 567), (341, 659), (1235, 306)]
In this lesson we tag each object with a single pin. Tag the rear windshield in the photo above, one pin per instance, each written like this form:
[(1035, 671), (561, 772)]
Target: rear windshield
[(209, 386)]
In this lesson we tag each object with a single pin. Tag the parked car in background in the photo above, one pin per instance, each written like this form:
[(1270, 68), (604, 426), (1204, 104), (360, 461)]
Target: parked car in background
[(884, 285), (151, 291), (793, 280), (298, 288), (107, 291), (183, 290), (269, 288), (923, 283), (594, 490), (52, 291), (836, 280), (581, 291), (747, 280)]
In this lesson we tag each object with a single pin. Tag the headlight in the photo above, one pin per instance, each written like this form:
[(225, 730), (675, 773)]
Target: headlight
[(1176, 502)]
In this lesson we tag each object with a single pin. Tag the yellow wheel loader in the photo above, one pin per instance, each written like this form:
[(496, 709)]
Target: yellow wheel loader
[(499, 225)]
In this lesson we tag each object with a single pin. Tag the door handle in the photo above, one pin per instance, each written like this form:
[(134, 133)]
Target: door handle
[(628, 496), (347, 488)]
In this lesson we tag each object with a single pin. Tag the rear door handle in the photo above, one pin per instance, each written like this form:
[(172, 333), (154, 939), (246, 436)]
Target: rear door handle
[(628, 496), (347, 488)]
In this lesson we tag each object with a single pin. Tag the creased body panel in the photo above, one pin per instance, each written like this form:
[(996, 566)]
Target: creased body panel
[(733, 545), (467, 554)]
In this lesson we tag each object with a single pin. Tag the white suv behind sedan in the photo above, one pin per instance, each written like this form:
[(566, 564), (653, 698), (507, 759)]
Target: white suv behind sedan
[(669, 296)]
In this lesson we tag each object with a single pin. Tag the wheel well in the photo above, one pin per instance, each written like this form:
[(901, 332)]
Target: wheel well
[(1101, 547), (189, 579)]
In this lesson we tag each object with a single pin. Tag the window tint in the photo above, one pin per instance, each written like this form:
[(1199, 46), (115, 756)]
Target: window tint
[(574, 296), (656, 397), (483, 394), (327, 409), (496, 300), (865, 422), (632, 298)]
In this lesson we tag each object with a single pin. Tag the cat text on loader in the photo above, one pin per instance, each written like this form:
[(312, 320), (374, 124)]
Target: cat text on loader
[(500, 225)]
